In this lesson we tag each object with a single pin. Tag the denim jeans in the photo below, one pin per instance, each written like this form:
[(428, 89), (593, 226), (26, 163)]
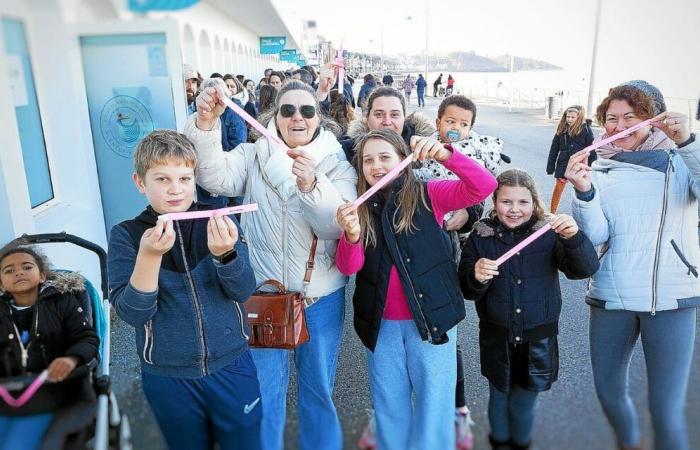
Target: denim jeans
[(667, 339), (25, 432), (512, 414), (412, 384), (222, 407), (421, 98), (315, 361)]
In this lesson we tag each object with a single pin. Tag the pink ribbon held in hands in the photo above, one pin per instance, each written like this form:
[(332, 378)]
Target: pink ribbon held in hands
[(27, 394), (276, 141), (340, 61), (524, 243), (622, 134), (209, 213), (383, 181)]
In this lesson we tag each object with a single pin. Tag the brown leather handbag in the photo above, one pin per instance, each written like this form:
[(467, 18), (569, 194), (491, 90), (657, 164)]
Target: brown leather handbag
[(277, 319)]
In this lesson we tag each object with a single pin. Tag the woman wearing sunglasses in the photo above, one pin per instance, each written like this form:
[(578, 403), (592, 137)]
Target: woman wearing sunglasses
[(297, 192)]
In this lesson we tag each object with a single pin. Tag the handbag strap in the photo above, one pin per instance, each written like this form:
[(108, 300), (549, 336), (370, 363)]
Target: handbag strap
[(310, 262)]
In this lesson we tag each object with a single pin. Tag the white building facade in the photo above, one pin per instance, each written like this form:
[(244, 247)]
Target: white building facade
[(84, 81)]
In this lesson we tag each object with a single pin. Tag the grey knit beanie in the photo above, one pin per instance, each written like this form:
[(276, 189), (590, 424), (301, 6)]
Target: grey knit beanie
[(651, 91)]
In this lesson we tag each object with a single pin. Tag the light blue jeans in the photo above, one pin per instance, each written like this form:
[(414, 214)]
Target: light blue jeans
[(412, 384), (668, 339), (25, 432), (315, 362)]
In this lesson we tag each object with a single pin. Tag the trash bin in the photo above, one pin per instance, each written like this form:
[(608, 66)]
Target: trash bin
[(549, 107)]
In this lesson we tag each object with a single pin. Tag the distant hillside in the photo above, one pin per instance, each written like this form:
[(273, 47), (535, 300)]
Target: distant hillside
[(471, 62), (525, 63)]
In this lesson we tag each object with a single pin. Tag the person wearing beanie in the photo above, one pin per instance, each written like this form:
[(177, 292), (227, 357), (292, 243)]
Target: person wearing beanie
[(638, 202), (192, 82)]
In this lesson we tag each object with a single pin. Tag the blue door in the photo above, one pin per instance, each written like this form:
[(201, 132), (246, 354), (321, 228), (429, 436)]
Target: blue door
[(129, 94), (31, 132)]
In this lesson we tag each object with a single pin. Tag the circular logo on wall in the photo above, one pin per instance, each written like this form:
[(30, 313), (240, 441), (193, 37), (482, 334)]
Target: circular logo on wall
[(124, 121)]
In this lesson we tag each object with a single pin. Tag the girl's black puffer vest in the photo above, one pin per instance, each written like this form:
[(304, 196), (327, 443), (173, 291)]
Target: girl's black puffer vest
[(425, 265)]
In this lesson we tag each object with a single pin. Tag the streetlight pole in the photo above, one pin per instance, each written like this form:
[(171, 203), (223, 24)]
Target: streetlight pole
[(382, 39), (426, 41), (510, 85), (591, 78)]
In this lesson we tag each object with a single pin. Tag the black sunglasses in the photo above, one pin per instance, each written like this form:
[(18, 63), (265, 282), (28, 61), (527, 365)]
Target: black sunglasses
[(307, 111)]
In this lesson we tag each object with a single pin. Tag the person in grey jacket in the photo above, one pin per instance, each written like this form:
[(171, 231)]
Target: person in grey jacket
[(638, 202), (298, 192)]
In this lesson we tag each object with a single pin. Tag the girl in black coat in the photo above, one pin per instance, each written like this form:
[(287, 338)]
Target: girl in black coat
[(519, 302), (573, 134), (42, 327)]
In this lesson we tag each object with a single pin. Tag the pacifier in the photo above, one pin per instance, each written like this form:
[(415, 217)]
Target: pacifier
[(453, 136)]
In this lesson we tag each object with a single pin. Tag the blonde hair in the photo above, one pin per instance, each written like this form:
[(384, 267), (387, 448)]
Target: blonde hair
[(519, 178), (575, 128), (161, 147), (409, 195)]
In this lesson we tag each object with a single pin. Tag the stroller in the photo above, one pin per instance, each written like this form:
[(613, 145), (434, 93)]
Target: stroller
[(92, 421)]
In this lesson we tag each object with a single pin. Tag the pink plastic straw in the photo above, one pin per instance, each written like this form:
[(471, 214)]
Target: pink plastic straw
[(253, 123), (524, 243), (209, 213), (27, 394), (381, 183), (340, 61), (621, 134)]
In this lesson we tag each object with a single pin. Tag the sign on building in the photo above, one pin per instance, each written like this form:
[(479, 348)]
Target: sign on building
[(272, 45), (288, 55)]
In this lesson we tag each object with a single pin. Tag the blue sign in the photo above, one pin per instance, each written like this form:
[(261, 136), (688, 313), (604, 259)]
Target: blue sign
[(288, 55), (272, 45), (159, 5)]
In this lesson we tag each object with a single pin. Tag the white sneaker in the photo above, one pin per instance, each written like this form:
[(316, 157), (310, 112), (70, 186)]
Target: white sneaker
[(463, 431), (368, 439)]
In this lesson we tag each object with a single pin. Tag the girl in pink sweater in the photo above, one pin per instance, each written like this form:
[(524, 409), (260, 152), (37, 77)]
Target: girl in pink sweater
[(407, 301)]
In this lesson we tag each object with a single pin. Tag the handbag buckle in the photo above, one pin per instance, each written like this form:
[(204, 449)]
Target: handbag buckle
[(308, 301)]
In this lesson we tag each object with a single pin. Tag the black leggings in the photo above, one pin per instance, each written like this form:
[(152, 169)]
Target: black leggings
[(460, 392)]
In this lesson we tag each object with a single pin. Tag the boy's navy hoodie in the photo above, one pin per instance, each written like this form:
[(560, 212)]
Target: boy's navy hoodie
[(193, 324)]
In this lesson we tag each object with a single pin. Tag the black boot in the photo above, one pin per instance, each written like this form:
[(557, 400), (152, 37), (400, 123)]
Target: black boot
[(515, 446), (498, 445)]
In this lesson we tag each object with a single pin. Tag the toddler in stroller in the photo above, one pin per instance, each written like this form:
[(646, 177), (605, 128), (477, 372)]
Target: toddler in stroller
[(49, 326), (42, 327)]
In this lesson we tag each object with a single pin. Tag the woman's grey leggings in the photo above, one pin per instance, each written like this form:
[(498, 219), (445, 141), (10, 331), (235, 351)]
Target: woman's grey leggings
[(667, 339)]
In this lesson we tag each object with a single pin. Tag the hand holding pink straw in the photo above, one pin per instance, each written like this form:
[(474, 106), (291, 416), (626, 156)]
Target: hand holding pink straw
[(340, 61), (27, 394), (209, 213), (253, 123), (622, 134), (524, 243), (383, 182)]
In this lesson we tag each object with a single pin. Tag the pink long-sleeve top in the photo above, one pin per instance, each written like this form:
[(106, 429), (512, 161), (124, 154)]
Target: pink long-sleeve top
[(474, 185)]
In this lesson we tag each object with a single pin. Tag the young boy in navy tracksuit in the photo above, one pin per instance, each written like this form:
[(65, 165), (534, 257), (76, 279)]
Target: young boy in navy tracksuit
[(180, 284)]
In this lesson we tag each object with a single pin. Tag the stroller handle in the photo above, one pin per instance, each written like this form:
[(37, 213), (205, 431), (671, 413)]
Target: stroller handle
[(64, 237)]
